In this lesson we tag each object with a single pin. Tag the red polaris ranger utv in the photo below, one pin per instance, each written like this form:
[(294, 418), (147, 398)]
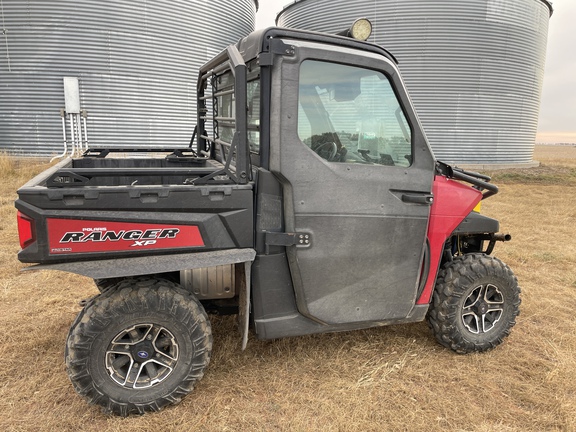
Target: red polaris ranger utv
[(308, 201)]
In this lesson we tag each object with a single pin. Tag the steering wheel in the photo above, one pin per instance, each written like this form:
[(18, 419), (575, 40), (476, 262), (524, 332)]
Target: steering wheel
[(327, 150)]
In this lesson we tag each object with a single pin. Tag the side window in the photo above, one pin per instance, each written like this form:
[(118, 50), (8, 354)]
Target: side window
[(350, 114)]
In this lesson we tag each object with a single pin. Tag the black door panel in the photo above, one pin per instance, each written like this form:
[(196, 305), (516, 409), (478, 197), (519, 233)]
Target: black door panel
[(357, 175)]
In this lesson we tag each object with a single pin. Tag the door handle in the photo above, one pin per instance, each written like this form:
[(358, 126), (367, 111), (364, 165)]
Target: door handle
[(427, 199)]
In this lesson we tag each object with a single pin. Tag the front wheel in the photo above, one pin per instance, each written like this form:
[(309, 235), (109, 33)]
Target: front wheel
[(139, 346), (475, 303)]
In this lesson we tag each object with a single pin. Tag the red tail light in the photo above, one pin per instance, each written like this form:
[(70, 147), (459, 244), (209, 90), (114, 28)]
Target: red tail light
[(26, 230)]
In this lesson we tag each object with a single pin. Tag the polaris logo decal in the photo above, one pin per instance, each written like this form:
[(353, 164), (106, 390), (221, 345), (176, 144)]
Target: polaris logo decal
[(86, 236), (143, 354)]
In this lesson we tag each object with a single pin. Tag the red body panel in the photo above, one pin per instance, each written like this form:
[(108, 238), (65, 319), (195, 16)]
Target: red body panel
[(453, 201), (68, 236)]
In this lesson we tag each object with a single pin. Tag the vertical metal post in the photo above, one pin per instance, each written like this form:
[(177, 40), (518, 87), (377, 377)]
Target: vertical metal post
[(241, 135), (63, 116), (79, 132), (84, 117), (72, 134)]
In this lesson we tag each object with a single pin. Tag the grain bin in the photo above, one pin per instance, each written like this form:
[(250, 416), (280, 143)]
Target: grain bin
[(474, 68), (130, 69)]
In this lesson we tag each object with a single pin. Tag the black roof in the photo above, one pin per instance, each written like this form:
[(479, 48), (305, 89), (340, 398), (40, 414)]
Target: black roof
[(259, 41)]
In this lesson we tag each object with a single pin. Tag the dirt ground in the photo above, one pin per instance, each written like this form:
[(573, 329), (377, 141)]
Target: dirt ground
[(393, 378)]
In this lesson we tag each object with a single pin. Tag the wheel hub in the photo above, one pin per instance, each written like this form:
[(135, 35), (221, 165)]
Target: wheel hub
[(483, 308), (142, 351), (142, 356)]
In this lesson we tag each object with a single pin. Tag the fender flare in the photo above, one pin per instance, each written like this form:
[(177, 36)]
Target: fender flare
[(476, 223), (145, 265), (138, 266)]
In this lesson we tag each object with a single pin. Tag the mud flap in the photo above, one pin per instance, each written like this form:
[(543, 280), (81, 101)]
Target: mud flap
[(243, 274)]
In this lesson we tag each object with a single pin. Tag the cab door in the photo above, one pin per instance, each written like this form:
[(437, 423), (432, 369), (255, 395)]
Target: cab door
[(357, 178)]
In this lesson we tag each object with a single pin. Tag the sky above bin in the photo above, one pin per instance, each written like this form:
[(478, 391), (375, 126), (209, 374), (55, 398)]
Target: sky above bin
[(557, 121)]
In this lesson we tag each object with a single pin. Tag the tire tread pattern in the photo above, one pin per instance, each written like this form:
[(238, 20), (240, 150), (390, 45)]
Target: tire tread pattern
[(455, 281), (130, 296)]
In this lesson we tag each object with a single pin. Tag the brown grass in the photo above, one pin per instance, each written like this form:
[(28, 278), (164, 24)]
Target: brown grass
[(392, 378)]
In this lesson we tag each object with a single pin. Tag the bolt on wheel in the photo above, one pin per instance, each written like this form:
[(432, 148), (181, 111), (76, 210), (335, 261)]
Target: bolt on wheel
[(142, 356), (475, 303), (139, 346), (483, 309)]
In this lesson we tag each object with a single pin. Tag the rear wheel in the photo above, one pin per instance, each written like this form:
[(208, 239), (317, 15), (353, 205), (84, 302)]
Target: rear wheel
[(475, 303), (139, 346)]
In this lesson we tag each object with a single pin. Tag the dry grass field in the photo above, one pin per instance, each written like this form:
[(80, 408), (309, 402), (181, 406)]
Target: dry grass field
[(393, 378)]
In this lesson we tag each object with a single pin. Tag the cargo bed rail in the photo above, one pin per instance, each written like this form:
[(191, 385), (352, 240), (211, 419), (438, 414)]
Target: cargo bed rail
[(212, 161)]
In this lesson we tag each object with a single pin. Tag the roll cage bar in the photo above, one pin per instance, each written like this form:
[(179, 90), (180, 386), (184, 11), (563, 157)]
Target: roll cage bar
[(239, 172)]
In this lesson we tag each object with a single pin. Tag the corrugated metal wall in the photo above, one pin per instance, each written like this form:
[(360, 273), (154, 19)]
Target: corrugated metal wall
[(136, 62), (474, 68)]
